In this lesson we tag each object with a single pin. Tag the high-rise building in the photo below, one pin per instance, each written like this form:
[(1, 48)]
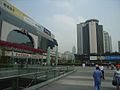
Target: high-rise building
[(107, 42), (80, 38), (110, 43), (90, 37), (119, 46), (73, 50)]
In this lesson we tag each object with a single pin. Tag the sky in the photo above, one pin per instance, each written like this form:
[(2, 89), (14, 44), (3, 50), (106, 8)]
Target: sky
[(62, 16)]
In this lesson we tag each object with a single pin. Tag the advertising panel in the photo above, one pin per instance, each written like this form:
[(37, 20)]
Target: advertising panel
[(112, 57), (47, 32), (93, 57), (25, 55)]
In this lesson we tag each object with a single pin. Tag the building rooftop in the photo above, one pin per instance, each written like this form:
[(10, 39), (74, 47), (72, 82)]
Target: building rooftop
[(90, 20)]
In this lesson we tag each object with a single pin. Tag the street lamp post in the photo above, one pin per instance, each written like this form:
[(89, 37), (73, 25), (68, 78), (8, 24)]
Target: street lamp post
[(56, 56), (48, 56)]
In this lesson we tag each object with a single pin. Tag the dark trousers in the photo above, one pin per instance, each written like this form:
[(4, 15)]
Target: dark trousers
[(103, 74)]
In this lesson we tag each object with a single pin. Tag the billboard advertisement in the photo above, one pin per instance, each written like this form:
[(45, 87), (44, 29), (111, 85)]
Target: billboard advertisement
[(112, 57), (104, 57), (47, 32), (93, 57)]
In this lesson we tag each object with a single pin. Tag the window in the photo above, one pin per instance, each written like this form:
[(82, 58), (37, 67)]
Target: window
[(20, 38)]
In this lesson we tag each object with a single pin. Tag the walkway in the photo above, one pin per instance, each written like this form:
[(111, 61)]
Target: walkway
[(81, 80)]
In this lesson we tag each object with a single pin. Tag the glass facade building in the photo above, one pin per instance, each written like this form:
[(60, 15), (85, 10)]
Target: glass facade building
[(107, 42), (16, 27), (90, 37), (22, 39)]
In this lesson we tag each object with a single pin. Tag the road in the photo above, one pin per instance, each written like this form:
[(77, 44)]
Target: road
[(81, 80)]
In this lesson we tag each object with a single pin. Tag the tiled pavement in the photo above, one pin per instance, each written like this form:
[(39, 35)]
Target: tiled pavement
[(81, 80)]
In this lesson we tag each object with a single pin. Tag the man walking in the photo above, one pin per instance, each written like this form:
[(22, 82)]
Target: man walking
[(102, 70), (97, 75)]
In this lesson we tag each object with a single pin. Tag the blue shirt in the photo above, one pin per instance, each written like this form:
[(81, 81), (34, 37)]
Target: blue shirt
[(97, 75)]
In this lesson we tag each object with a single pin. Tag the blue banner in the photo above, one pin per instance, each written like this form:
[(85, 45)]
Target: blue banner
[(112, 57)]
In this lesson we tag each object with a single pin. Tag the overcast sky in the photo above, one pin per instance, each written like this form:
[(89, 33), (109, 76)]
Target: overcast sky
[(62, 16)]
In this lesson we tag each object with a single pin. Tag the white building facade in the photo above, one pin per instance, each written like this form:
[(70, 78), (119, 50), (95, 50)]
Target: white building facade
[(107, 42), (90, 37)]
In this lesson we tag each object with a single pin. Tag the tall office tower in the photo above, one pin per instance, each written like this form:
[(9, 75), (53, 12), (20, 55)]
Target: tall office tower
[(80, 38), (100, 42), (73, 50), (90, 37), (107, 42), (119, 46), (110, 43)]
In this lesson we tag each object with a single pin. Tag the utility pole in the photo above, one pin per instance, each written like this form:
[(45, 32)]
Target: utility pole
[(48, 56), (56, 56)]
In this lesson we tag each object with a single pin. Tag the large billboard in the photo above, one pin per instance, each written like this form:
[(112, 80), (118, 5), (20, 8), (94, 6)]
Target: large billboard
[(93, 57), (112, 57), (47, 32), (104, 57)]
